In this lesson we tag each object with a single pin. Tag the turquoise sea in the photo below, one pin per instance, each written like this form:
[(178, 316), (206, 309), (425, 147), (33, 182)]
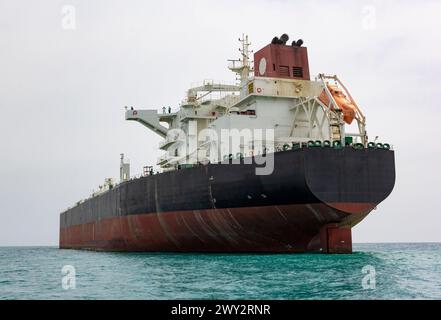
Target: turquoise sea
[(391, 271)]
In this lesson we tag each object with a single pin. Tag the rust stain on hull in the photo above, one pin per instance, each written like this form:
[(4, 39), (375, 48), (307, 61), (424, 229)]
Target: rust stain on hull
[(250, 229)]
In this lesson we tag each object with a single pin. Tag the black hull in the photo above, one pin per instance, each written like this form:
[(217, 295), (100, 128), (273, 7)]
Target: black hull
[(320, 189)]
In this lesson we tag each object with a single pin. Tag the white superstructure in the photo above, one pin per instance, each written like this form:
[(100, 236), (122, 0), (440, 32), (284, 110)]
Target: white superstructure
[(287, 110)]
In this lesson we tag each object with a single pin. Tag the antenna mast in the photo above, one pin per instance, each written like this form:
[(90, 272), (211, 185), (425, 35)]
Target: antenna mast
[(242, 66)]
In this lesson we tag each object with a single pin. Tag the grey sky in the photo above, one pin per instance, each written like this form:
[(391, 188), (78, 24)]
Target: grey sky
[(62, 93)]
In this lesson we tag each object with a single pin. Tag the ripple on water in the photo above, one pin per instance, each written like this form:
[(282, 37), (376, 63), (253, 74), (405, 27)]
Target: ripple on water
[(407, 271)]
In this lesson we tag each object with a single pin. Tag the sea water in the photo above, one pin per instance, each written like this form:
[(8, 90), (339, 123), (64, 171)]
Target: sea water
[(373, 271)]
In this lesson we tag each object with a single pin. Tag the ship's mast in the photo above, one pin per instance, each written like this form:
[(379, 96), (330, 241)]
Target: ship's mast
[(242, 66)]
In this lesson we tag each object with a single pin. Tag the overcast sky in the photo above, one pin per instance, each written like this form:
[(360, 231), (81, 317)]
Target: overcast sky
[(62, 93)]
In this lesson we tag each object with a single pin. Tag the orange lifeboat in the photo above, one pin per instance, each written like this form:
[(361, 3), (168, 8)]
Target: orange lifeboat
[(346, 105)]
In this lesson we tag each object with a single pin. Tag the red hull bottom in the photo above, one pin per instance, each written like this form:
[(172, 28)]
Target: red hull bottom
[(273, 229)]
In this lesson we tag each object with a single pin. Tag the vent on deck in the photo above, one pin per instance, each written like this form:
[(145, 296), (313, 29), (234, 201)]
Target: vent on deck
[(297, 72), (284, 71)]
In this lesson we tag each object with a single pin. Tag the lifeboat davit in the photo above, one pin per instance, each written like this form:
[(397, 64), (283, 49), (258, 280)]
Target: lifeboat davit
[(344, 103)]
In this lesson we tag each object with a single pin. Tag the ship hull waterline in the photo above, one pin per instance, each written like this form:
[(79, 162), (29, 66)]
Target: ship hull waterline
[(273, 229), (308, 204)]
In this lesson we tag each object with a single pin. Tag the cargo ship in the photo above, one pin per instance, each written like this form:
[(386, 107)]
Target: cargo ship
[(275, 163)]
